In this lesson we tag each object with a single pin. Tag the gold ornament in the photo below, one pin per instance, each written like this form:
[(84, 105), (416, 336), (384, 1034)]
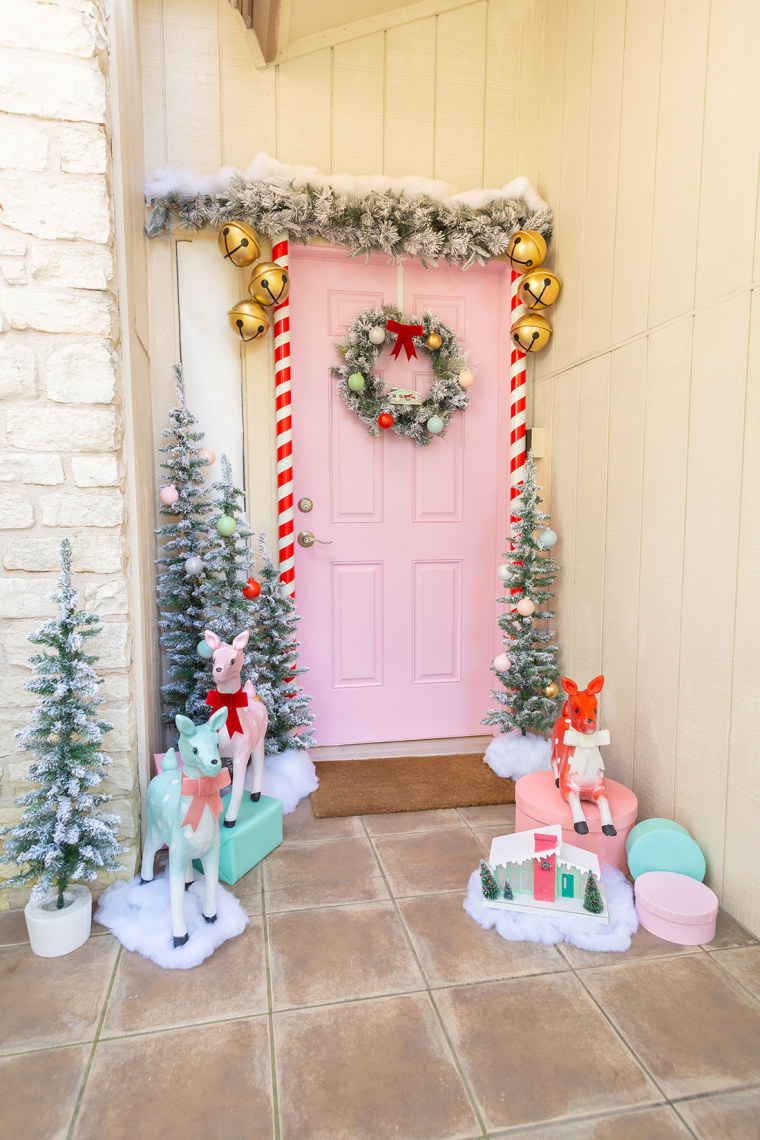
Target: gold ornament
[(531, 332), (433, 340), (551, 690), (239, 244), (538, 289), (526, 250), (269, 284), (249, 320)]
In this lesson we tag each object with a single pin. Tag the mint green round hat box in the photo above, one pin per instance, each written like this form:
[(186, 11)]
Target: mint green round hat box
[(663, 845)]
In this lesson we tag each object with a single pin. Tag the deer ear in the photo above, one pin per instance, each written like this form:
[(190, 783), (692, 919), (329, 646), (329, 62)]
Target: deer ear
[(218, 719), (241, 640), (212, 639), (185, 725), (569, 686), (595, 686)]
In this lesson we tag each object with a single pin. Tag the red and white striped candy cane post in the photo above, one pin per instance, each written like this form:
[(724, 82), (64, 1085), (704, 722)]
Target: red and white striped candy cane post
[(516, 401), (282, 394)]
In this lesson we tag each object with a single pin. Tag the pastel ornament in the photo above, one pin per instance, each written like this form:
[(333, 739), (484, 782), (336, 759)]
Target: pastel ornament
[(356, 382), (504, 572), (502, 663), (466, 379), (193, 566), (207, 456), (435, 425), (547, 537), (376, 335), (205, 651), (168, 495), (525, 607), (226, 526)]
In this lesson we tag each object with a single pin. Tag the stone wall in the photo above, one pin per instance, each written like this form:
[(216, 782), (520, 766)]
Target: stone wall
[(61, 429)]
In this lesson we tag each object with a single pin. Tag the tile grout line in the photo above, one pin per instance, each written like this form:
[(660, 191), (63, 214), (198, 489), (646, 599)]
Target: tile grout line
[(94, 1045), (270, 1014), (428, 990), (755, 997)]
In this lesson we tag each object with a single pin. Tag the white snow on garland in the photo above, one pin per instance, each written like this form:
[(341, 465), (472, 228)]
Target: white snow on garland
[(415, 216), (579, 931), (513, 755)]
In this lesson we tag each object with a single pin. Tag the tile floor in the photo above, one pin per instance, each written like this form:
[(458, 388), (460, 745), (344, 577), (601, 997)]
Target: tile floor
[(361, 1002)]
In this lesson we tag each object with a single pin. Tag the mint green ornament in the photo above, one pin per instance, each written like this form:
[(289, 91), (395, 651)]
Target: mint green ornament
[(356, 382), (435, 425), (226, 525), (204, 650)]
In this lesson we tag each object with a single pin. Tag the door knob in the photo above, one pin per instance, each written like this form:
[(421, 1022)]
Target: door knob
[(306, 538)]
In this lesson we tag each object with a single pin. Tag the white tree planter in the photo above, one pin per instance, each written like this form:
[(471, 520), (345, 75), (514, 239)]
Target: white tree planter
[(54, 932)]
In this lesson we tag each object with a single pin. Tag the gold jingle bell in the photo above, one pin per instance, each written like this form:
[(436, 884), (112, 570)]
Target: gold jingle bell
[(538, 289), (526, 250), (551, 690), (531, 332), (249, 320), (239, 244), (269, 284)]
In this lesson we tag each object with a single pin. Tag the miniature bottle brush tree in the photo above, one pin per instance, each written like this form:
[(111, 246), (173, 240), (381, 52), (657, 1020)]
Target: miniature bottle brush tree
[(62, 836), (527, 669)]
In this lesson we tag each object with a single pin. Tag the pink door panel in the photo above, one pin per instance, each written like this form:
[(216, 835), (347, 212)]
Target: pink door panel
[(398, 613)]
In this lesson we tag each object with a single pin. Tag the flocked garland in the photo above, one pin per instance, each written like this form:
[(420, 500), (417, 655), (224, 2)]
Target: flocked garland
[(395, 222), (359, 354)]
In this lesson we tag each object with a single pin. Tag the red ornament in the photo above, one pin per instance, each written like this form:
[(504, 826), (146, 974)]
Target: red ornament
[(385, 420), (252, 588)]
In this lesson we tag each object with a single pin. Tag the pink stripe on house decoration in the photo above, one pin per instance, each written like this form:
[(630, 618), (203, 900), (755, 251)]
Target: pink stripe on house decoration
[(284, 438)]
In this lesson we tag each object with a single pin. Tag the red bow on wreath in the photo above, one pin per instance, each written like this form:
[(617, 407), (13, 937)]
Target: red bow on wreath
[(404, 334)]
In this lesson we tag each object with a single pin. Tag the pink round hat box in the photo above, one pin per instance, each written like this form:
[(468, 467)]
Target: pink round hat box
[(539, 803), (676, 907)]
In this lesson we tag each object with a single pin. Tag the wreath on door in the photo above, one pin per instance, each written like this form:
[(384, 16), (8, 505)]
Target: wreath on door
[(402, 409)]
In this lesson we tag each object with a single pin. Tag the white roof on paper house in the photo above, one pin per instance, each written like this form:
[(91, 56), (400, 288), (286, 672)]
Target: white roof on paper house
[(521, 846)]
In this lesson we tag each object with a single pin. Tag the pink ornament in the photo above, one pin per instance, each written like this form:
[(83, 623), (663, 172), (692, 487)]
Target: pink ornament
[(501, 663), (168, 494), (207, 456), (465, 378), (525, 607)]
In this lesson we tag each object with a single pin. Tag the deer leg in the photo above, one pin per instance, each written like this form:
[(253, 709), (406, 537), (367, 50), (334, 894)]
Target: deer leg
[(238, 779), (152, 843), (210, 863), (608, 827), (189, 875), (257, 769), (579, 819), (177, 893)]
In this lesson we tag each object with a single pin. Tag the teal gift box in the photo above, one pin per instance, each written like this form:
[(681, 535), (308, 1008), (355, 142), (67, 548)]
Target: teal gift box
[(257, 831)]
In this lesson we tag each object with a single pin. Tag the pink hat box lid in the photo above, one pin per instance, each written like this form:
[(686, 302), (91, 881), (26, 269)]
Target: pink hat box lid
[(537, 796), (676, 898)]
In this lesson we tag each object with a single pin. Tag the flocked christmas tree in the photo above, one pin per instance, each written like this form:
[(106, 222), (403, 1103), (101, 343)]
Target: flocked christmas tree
[(182, 572), (274, 663), (227, 565), (592, 897), (532, 658), (487, 882), (62, 836)]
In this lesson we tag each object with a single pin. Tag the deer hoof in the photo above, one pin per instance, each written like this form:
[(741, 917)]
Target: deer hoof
[(582, 827), (255, 796), (144, 881), (609, 829), (188, 886), (212, 919), (230, 822), (180, 940), (557, 781)]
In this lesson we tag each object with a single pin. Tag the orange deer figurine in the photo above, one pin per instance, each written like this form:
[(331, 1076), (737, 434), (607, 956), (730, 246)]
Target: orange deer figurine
[(576, 760)]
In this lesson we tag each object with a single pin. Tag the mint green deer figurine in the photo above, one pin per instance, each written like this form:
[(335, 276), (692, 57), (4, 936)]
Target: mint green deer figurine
[(183, 809)]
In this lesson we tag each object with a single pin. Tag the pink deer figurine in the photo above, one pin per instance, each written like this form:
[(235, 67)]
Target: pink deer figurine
[(243, 735), (576, 760)]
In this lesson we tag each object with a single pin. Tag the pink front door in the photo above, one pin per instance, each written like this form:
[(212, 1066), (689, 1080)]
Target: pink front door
[(398, 613)]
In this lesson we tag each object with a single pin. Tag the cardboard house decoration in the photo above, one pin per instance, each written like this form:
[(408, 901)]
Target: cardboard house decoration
[(545, 874)]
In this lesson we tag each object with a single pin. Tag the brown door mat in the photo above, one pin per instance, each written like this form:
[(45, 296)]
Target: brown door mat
[(407, 783)]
